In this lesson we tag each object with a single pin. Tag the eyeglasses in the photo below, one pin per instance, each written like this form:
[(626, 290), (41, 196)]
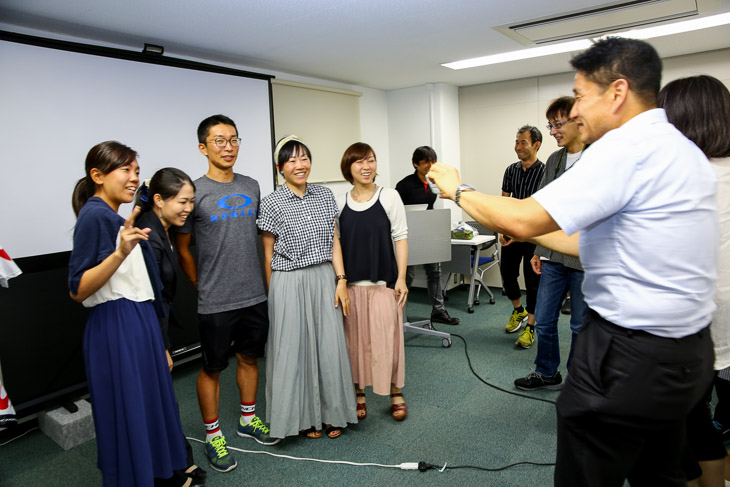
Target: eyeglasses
[(557, 125), (221, 142)]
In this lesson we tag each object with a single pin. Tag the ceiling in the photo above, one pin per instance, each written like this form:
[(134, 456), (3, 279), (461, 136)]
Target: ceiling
[(383, 44)]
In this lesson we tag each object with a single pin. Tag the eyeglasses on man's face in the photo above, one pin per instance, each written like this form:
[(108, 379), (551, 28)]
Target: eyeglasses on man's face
[(221, 142), (557, 125)]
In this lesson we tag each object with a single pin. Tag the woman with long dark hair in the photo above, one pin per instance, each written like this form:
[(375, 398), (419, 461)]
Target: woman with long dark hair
[(165, 201), (138, 432)]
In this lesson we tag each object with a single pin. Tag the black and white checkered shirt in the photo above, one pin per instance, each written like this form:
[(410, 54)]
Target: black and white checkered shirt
[(520, 183), (304, 227)]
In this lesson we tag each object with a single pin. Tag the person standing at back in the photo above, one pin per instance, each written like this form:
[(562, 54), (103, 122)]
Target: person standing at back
[(232, 305), (559, 273), (414, 190), (521, 180)]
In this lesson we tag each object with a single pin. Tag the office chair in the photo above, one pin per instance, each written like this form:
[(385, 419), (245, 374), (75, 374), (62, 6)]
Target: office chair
[(486, 262)]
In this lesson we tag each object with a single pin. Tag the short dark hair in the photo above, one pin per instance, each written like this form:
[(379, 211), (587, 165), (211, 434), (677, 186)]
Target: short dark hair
[(106, 157), (356, 152), (210, 122), (535, 134), (699, 106), (424, 153), (619, 58), (167, 182), (560, 105), (291, 148)]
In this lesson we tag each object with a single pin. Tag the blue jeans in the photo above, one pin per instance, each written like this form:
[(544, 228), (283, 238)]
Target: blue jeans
[(555, 282)]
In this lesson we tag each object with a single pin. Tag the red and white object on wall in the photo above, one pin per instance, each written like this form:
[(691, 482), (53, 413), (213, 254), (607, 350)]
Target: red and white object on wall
[(8, 270)]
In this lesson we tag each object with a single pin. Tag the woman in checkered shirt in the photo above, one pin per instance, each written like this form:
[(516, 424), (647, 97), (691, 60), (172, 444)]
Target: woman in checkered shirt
[(308, 376)]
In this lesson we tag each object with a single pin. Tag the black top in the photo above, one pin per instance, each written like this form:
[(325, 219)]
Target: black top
[(522, 183), (367, 245), (167, 264), (413, 191)]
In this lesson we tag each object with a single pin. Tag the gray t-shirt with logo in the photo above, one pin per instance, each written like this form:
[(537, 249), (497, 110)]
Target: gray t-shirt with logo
[(224, 224)]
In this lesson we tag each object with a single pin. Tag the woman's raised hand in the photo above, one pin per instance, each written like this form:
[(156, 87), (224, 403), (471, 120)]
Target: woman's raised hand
[(130, 235)]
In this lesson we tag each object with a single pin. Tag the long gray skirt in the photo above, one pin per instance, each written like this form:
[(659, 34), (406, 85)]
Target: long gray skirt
[(308, 375)]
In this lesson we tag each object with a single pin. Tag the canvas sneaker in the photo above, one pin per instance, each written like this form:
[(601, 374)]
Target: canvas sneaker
[(257, 430)]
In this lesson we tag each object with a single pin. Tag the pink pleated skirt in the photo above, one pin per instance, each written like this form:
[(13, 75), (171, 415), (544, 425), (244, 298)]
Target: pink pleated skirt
[(374, 335)]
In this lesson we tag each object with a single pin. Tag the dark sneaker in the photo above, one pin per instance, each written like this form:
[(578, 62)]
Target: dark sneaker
[(257, 430), (566, 306), (443, 317), (535, 380), (220, 459)]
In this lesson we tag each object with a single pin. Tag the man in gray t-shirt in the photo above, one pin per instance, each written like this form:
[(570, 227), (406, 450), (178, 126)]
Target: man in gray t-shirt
[(232, 306)]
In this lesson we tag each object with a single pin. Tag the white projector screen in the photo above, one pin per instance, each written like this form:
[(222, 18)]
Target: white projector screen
[(57, 104)]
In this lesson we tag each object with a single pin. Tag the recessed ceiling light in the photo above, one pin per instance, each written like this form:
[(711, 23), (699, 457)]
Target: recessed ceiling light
[(645, 33)]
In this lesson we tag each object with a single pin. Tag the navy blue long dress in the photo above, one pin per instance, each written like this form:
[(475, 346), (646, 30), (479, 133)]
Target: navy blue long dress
[(138, 431)]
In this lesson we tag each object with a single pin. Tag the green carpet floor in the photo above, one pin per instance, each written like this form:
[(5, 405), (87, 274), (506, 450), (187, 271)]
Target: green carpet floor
[(453, 419)]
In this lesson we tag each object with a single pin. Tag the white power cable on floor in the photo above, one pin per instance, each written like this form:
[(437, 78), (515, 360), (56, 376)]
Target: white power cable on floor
[(401, 466)]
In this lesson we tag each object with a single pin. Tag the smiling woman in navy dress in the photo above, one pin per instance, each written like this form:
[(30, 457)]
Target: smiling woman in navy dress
[(138, 433)]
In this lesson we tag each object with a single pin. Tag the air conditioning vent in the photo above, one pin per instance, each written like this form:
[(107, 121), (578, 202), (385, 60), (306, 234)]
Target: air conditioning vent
[(598, 21)]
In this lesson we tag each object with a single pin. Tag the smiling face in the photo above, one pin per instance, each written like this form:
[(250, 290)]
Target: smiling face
[(567, 133), (525, 149), (422, 168), (592, 109), (175, 210), (363, 171), (117, 186), (296, 169), (221, 158)]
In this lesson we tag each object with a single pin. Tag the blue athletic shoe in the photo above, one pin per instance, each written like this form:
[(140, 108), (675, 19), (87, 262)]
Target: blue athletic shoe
[(257, 430), (220, 458)]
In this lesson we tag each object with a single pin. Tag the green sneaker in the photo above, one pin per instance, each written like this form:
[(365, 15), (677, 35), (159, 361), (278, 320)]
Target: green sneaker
[(515, 321), (257, 430), (527, 337), (220, 459)]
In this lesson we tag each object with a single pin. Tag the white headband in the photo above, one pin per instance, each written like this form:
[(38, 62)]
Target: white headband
[(281, 143)]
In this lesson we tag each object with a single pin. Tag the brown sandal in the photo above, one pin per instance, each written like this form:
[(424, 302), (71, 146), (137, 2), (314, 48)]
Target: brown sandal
[(362, 408), (400, 410), (311, 433), (332, 431)]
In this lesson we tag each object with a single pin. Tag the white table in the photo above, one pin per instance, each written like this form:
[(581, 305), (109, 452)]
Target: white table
[(462, 263)]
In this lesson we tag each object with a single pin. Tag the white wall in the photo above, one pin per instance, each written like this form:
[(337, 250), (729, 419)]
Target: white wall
[(490, 114)]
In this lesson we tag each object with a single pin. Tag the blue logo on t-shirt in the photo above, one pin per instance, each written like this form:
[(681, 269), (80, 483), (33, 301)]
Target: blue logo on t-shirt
[(233, 202), (223, 202)]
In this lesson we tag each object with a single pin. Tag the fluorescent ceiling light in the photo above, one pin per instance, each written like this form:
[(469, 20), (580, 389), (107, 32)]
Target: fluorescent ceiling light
[(646, 33)]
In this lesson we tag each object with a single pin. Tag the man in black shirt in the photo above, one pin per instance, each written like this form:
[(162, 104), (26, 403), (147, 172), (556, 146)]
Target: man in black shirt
[(521, 179), (414, 190)]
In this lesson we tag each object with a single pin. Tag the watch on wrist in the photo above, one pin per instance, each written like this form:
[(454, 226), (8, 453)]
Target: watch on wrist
[(462, 187)]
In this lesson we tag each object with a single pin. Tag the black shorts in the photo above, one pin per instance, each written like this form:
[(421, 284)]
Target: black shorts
[(242, 330)]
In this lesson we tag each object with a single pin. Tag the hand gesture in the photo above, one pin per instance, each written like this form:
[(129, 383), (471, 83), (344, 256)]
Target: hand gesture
[(130, 235)]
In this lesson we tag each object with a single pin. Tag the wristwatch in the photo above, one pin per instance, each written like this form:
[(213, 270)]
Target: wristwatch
[(462, 187)]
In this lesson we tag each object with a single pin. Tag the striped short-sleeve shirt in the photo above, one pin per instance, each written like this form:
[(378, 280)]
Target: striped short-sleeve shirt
[(522, 184)]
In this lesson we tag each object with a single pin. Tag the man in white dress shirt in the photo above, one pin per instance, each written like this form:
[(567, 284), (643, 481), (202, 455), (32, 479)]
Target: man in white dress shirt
[(641, 209)]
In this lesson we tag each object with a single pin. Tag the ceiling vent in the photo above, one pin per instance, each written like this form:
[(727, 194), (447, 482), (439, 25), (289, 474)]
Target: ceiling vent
[(598, 21)]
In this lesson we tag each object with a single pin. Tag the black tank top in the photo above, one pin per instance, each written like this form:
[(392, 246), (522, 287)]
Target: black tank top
[(367, 246)]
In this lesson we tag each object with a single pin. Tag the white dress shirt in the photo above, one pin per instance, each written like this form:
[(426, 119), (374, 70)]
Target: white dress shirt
[(643, 198)]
